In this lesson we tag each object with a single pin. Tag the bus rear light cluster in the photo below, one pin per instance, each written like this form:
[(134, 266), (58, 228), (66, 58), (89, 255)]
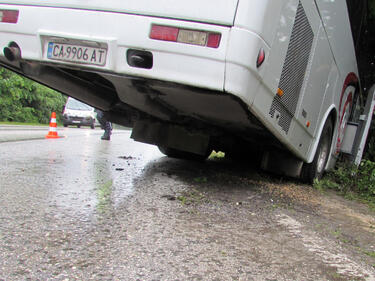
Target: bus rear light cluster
[(9, 16), (187, 36)]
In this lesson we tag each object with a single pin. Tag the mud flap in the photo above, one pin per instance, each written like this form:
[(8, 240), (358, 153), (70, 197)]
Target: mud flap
[(281, 163)]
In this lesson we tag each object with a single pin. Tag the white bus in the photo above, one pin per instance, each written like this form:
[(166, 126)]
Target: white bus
[(273, 76)]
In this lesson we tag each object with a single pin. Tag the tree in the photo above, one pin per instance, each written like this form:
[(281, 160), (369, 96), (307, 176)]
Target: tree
[(23, 100)]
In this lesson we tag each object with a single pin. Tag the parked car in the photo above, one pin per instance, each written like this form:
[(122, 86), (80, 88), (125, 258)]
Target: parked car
[(78, 113)]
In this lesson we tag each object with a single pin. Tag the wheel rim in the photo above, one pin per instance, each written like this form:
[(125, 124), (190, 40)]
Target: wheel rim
[(323, 155)]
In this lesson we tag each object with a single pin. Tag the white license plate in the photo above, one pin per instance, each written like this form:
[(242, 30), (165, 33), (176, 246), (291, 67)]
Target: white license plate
[(76, 53)]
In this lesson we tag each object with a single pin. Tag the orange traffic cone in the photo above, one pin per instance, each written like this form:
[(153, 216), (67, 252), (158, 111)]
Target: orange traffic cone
[(52, 134)]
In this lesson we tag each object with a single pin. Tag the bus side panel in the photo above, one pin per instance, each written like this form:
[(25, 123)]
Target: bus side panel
[(337, 26), (287, 70), (309, 116), (328, 105), (335, 18)]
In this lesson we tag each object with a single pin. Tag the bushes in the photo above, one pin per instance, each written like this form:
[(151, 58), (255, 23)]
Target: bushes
[(365, 178), (352, 180), (22, 100)]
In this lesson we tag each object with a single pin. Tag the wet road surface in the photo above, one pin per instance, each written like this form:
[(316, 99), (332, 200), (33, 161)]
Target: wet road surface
[(78, 208), (19, 132)]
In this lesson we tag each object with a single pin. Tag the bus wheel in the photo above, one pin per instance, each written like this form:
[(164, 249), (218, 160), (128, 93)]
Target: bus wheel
[(175, 153), (315, 169)]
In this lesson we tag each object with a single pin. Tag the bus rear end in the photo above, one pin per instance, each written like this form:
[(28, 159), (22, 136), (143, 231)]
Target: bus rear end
[(187, 76), (142, 61)]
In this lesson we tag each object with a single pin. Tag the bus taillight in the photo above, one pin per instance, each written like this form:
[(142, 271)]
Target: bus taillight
[(186, 36), (9, 16), (165, 33)]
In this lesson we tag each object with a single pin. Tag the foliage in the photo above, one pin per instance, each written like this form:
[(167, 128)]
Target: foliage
[(349, 179), (216, 155), (22, 100), (370, 144), (371, 7)]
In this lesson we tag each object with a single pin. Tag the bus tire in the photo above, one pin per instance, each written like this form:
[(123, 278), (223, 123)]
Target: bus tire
[(315, 169), (175, 153)]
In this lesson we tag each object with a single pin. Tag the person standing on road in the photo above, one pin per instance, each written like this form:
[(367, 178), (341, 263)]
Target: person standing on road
[(105, 124)]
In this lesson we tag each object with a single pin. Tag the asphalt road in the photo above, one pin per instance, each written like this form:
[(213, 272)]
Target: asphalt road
[(78, 208), (10, 133)]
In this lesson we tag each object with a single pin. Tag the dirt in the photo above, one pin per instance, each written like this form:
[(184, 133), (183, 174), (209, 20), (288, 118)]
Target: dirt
[(336, 231)]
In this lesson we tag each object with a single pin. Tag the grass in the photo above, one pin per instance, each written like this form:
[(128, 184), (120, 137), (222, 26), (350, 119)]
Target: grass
[(104, 192), (354, 183), (370, 253), (350, 195), (365, 198), (200, 179), (23, 124), (369, 201), (191, 197)]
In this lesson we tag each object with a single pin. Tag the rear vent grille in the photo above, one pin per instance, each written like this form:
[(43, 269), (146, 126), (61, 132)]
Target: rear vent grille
[(294, 69)]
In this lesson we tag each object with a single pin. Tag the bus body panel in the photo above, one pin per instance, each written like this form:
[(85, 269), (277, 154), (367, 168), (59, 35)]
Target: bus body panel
[(220, 12), (316, 85), (295, 135), (334, 15), (182, 66), (328, 106), (242, 75), (260, 17)]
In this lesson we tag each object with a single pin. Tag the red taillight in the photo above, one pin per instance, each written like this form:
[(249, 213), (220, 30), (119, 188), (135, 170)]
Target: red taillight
[(186, 36), (9, 16), (165, 33), (261, 57), (213, 40)]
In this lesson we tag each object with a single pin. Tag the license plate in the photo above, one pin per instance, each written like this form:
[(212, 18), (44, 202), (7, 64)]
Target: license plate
[(76, 53)]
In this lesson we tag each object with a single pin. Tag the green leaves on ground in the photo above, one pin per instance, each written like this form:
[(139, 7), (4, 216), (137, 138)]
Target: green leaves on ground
[(22, 100)]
